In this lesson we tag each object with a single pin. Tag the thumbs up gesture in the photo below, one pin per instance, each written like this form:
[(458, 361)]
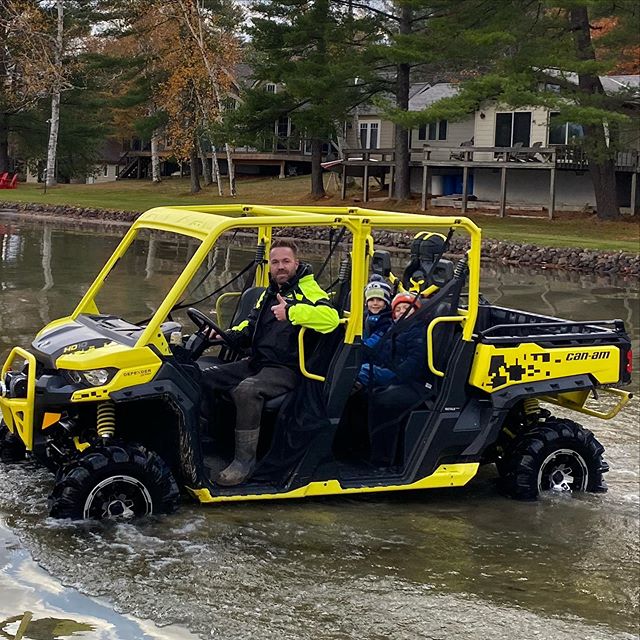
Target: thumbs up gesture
[(280, 309)]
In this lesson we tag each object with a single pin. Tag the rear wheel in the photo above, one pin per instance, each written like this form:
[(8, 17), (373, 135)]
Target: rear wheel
[(556, 455), (114, 482), (12, 448)]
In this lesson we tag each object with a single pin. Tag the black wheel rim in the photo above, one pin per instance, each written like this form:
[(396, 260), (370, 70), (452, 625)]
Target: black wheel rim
[(563, 471), (118, 498)]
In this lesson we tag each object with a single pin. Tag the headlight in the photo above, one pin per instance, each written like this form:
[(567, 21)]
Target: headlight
[(97, 377), (91, 377)]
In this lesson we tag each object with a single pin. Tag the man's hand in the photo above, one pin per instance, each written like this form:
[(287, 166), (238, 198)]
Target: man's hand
[(212, 334), (280, 309)]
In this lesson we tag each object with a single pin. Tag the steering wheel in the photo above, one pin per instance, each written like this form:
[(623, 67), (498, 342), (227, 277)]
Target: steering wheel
[(203, 322)]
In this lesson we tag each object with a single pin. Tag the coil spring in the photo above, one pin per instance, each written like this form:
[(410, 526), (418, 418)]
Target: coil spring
[(260, 253), (531, 408), (461, 267), (106, 419), (345, 269)]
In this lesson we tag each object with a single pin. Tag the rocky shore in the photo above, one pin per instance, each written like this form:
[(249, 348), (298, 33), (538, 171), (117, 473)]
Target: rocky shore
[(616, 263)]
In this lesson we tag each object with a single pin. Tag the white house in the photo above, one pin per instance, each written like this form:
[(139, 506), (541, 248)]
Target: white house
[(497, 125)]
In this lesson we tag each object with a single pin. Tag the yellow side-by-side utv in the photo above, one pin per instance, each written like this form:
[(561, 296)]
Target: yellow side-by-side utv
[(113, 405)]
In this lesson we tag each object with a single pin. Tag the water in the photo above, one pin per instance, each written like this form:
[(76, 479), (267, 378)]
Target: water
[(436, 564)]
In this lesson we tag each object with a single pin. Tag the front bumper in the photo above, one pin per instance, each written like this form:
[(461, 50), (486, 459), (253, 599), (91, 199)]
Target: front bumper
[(18, 413)]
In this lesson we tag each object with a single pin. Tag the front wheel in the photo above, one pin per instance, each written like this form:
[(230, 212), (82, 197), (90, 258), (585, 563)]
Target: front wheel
[(556, 455), (12, 448), (114, 482)]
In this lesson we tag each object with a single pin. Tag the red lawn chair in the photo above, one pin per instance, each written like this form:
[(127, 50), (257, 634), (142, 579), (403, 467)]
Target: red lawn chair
[(4, 180), (14, 182)]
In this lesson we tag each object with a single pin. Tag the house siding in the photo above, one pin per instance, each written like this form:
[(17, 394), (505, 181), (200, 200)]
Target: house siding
[(457, 133)]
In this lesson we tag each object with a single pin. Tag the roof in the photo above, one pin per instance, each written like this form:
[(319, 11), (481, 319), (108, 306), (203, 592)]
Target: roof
[(613, 84), (430, 94)]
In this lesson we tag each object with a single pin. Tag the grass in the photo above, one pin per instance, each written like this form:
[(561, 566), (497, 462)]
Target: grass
[(567, 230)]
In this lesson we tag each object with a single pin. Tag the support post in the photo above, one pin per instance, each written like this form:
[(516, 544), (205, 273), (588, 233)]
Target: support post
[(552, 193), (139, 169), (465, 187), (425, 182), (365, 184), (282, 175), (344, 180), (391, 179), (634, 192), (503, 192)]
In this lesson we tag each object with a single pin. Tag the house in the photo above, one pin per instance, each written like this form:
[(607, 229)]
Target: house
[(552, 171), (106, 169), (551, 145)]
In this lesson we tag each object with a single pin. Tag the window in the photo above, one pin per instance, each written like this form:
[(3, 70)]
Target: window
[(433, 131), (270, 87), (564, 133), (369, 138), (105, 171), (283, 127), (513, 127)]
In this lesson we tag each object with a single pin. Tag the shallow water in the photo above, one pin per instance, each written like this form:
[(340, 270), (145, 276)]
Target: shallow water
[(437, 564)]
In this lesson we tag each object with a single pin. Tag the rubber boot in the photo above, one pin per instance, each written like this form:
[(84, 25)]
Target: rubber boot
[(244, 461)]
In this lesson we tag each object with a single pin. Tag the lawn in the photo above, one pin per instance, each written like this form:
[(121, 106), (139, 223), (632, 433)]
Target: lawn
[(567, 230)]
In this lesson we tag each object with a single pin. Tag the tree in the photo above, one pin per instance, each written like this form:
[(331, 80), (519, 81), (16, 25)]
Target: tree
[(414, 37), (38, 68), (542, 54), (312, 51), (183, 51)]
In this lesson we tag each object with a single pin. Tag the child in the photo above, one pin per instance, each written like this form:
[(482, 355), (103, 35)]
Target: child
[(377, 317), (404, 351)]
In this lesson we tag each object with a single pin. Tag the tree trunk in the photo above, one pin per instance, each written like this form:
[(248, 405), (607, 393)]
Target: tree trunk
[(402, 189), (217, 178), (195, 162), (155, 158), (231, 171), (53, 140), (4, 142), (602, 155), (603, 176), (317, 184), (206, 167), (54, 124)]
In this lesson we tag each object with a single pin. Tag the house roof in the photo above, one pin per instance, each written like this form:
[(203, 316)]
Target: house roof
[(613, 84), (430, 94)]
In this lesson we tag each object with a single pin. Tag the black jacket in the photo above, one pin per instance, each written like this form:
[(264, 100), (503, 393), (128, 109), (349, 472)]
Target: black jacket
[(274, 342)]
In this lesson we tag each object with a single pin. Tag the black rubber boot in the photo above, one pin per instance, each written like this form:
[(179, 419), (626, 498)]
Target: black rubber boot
[(244, 461)]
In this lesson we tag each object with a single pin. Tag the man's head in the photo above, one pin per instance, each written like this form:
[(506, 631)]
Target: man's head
[(283, 261)]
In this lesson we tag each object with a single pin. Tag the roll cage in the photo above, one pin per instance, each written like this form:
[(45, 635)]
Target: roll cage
[(208, 223)]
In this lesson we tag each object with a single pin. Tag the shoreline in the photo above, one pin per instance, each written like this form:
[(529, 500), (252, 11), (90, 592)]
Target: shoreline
[(596, 262)]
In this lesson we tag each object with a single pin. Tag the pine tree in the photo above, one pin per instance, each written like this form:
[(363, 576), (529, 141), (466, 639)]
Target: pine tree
[(311, 50)]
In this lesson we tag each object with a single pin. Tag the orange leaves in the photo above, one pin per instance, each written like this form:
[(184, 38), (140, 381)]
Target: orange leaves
[(187, 57)]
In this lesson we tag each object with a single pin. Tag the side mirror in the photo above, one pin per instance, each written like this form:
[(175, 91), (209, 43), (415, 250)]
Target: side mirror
[(381, 263)]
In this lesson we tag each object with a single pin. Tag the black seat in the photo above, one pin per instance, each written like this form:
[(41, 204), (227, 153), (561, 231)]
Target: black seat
[(248, 301)]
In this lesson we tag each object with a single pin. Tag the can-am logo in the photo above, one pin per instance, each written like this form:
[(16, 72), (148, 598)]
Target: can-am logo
[(582, 355)]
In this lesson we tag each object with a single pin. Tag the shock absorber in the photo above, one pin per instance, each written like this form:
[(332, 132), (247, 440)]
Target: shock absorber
[(531, 408), (106, 419), (260, 253), (345, 269), (460, 269)]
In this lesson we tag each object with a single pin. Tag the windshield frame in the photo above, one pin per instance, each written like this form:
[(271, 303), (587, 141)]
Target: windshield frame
[(208, 223)]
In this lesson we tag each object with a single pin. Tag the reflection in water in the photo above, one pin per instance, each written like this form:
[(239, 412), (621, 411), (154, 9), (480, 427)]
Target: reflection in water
[(41, 629), (446, 564)]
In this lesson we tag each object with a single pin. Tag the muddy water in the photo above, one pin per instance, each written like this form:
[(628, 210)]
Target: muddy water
[(439, 564)]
